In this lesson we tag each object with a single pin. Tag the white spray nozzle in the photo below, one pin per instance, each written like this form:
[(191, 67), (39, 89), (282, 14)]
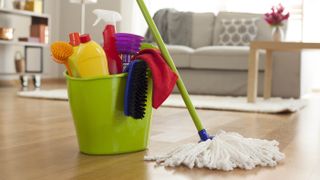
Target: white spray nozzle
[(110, 17)]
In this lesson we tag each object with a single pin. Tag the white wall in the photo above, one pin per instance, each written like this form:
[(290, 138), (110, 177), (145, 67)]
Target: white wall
[(51, 69), (127, 13)]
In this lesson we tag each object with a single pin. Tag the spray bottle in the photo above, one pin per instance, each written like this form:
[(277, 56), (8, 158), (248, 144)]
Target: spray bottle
[(109, 45)]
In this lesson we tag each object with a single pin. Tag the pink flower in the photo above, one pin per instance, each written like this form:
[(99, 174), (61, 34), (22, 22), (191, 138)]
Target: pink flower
[(276, 16)]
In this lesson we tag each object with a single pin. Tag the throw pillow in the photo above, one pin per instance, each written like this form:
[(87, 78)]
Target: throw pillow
[(237, 32)]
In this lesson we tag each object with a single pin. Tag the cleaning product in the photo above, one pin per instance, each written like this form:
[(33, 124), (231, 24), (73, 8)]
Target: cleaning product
[(127, 45), (136, 90), (110, 18), (91, 59), (163, 78), (225, 151), (61, 51), (74, 42)]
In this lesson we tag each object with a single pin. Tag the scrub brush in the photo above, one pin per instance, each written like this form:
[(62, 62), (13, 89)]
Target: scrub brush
[(136, 90), (61, 51)]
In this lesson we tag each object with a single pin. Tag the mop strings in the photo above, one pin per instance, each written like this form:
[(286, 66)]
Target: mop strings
[(225, 152)]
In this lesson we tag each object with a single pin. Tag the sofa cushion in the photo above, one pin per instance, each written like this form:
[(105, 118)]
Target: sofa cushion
[(202, 28), (223, 57), (180, 55), (264, 31), (237, 32)]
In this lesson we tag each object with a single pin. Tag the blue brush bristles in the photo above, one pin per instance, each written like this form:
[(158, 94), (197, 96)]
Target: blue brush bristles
[(136, 90)]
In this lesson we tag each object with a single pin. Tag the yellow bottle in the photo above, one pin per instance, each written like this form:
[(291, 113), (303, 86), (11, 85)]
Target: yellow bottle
[(73, 62), (91, 59)]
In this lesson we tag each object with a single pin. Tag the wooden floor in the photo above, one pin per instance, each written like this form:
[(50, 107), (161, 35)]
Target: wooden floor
[(37, 141)]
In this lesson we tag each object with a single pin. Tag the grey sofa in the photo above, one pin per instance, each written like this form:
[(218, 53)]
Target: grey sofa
[(207, 68)]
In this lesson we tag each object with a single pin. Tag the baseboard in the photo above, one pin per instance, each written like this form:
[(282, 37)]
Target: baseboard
[(53, 80), (12, 83), (9, 83)]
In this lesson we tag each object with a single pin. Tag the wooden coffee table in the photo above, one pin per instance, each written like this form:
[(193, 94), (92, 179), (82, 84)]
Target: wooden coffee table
[(269, 47)]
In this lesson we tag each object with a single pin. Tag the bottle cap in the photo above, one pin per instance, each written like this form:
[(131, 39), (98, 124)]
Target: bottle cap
[(74, 39), (84, 38)]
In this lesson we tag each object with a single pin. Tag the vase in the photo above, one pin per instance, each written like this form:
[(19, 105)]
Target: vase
[(277, 33), (19, 63)]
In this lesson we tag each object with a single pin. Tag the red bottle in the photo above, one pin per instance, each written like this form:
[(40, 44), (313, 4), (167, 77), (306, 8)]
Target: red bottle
[(109, 46)]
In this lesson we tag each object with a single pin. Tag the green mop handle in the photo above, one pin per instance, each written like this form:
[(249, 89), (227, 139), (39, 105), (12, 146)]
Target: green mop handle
[(165, 53)]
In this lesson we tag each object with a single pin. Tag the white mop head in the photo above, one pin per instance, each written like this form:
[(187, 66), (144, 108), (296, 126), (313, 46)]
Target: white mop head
[(225, 151)]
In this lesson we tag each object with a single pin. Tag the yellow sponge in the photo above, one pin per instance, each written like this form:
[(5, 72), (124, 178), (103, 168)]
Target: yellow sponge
[(61, 51)]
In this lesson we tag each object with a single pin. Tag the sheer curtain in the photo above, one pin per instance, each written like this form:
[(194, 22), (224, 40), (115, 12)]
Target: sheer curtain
[(310, 59)]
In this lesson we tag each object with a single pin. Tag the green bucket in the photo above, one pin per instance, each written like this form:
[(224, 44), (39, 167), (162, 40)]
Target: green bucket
[(97, 109)]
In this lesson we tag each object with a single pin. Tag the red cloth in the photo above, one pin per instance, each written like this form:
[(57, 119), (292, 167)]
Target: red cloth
[(163, 77)]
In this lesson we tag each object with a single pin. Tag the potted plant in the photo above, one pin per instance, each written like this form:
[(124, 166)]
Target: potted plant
[(276, 19)]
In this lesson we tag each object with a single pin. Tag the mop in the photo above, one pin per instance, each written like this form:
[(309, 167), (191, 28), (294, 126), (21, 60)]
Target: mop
[(224, 151)]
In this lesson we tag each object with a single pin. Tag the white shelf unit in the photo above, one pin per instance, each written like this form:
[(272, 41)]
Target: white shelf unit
[(23, 13), (35, 17), (22, 43)]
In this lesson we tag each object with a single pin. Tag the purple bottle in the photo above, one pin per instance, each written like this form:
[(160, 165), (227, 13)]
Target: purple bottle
[(127, 45)]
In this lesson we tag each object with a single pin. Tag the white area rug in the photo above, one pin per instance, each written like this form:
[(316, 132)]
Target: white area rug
[(57, 94), (273, 105)]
